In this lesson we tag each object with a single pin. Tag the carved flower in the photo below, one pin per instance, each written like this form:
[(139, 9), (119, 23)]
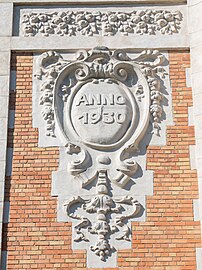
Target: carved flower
[(158, 16), (142, 24), (57, 19), (104, 18), (29, 29), (90, 18), (67, 18), (169, 17), (149, 12), (80, 17), (86, 24), (82, 24), (97, 15), (127, 29), (61, 14), (34, 19), (148, 71), (146, 18), (63, 25), (162, 23), (85, 28), (140, 13), (47, 29), (25, 18), (61, 31), (113, 18), (43, 17), (122, 16), (108, 29), (136, 19), (141, 27)]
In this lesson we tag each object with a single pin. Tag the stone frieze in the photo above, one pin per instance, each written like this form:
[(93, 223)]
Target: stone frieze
[(72, 23)]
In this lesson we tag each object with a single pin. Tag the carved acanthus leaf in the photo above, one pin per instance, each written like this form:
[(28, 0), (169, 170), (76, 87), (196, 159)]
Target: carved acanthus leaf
[(98, 64), (102, 204), (102, 103)]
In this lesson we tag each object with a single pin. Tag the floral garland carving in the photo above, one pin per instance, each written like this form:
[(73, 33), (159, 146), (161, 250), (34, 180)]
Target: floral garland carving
[(110, 23), (95, 70), (105, 214)]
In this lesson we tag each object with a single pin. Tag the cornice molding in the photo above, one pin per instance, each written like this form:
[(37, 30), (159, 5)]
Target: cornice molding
[(92, 2)]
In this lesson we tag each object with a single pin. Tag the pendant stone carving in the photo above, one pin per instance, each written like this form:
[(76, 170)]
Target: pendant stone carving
[(102, 204), (101, 105)]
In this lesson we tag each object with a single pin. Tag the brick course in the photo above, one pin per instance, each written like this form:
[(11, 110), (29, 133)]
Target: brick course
[(33, 237)]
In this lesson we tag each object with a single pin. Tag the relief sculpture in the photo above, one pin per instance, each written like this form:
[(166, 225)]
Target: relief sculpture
[(101, 104), (86, 23)]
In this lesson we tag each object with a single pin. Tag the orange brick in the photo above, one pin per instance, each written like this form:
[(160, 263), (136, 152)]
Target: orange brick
[(35, 240)]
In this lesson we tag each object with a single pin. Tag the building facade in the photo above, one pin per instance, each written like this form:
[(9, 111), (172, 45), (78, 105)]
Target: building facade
[(101, 134)]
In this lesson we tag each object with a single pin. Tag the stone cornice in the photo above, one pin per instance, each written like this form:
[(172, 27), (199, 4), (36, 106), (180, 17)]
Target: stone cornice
[(52, 2)]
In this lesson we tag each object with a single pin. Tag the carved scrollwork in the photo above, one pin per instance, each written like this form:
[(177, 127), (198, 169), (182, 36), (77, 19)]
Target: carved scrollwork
[(95, 65), (102, 204), (72, 23), (102, 103), (125, 170), (80, 164)]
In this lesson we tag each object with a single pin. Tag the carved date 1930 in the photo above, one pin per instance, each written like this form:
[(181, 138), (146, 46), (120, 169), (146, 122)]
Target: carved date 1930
[(101, 116), (107, 115)]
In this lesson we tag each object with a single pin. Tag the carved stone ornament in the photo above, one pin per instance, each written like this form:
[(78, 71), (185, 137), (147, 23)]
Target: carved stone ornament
[(109, 23), (102, 103)]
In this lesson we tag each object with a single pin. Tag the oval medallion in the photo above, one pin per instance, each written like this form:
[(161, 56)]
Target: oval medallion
[(101, 112)]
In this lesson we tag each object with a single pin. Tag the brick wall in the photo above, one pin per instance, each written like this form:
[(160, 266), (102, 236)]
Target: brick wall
[(33, 237)]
